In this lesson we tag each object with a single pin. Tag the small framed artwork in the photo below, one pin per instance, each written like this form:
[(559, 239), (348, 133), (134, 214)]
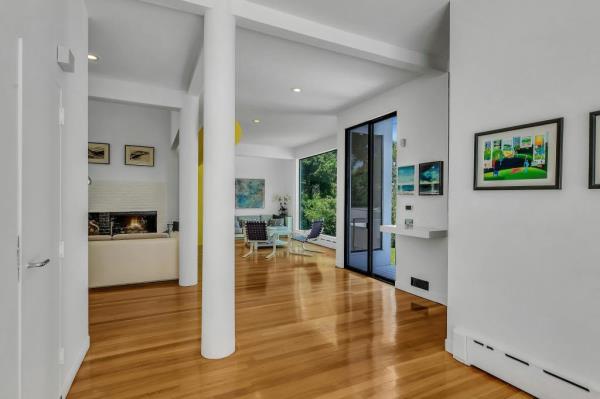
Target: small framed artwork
[(249, 193), (406, 180), (139, 155), (431, 178), (99, 153), (524, 157), (594, 175)]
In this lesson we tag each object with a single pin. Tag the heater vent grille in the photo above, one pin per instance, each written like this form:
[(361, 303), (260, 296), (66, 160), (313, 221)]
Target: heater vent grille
[(518, 370)]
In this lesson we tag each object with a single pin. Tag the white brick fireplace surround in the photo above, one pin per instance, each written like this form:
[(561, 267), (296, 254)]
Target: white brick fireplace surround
[(126, 196)]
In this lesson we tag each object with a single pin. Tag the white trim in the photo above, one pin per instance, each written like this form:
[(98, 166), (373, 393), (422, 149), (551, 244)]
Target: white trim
[(70, 376), (20, 216), (127, 92)]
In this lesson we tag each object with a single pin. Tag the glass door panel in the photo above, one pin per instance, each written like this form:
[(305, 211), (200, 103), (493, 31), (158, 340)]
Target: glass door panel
[(383, 163), (357, 184)]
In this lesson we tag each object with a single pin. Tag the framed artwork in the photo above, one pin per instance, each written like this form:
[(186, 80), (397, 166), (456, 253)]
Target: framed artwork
[(406, 180), (139, 155), (524, 157), (249, 193), (594, 175), (431, 178), (99, 153)]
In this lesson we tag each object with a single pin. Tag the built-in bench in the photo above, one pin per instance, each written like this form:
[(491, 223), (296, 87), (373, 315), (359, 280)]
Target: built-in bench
[(132, 258)]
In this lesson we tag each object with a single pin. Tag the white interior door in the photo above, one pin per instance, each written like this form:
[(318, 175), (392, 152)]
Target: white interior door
[(39, 223)]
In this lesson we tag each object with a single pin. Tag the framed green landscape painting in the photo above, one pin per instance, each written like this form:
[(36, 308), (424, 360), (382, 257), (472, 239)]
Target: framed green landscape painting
[(520, 157)]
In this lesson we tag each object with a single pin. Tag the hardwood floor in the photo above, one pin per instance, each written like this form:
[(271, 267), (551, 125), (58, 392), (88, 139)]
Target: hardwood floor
[(304, 330)]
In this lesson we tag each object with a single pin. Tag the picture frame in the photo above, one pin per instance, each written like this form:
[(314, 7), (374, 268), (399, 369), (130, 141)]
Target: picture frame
[(406, 180), (139, 155), (249, 193), (594, 165), (522, 157), (98, 153), (431, 178)]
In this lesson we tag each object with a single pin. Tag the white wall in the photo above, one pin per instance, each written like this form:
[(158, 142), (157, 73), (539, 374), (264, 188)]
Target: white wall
[(74, 299), (422, 112), (523, 265), (65, 22), (119, 124), (279, 179)]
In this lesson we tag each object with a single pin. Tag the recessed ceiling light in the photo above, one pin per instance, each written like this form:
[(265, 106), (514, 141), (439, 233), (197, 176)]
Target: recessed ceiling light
[(93, 57), (256, 121), (296, 89)]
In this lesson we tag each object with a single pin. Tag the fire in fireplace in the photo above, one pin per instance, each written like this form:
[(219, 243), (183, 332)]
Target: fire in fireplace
[(133, 222), (106, 223)]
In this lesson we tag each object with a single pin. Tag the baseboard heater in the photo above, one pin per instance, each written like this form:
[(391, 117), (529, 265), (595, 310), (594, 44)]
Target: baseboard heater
[(526, 374)]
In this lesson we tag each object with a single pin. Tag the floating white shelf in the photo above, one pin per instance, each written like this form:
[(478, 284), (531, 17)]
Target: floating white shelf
[(416, 231)]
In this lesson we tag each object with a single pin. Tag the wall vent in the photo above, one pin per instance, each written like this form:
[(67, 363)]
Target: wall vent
[(417, 282), (518, 370)]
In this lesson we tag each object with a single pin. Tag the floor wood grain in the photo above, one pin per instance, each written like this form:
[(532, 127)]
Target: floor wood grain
[(304, 330)]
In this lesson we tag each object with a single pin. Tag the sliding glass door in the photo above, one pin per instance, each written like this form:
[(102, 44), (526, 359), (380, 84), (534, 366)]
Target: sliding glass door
[(357, 198), (370, 199)]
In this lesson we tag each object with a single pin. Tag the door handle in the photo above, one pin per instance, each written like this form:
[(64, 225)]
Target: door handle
[(33, 265)]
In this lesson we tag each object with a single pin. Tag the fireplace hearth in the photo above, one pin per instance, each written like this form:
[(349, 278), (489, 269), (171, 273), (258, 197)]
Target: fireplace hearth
[(111, 223)]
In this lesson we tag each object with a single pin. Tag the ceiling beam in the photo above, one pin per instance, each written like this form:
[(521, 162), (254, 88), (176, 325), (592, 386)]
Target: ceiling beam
[(287, 26), (267, 20), (127, 92), (263, 151), (196, 86), (198, 7)]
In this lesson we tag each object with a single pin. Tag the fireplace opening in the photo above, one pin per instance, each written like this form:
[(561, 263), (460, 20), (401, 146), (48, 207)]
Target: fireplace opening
[(133, 222), (111, 223)]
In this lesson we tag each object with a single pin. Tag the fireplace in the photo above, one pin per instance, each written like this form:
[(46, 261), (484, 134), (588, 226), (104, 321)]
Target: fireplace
[(111, 223)]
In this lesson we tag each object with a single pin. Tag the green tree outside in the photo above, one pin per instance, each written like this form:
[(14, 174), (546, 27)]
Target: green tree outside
[(318, 189)]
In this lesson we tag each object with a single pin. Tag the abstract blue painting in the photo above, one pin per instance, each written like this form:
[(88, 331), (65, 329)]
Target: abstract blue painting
[(249, 193)]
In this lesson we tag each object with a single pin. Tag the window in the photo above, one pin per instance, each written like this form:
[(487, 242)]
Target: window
[(318, 179)]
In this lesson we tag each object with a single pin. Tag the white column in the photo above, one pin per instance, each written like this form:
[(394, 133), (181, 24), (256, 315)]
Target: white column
[(188, 191), (218, 259)]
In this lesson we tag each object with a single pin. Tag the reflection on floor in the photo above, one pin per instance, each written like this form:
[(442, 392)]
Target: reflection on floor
[(387, 272), (305, 329)]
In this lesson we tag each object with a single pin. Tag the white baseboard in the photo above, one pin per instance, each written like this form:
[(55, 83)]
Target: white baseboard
[(448, 345), (70, 375)]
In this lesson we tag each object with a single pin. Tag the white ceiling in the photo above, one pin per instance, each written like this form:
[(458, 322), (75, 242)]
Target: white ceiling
[(144, 43), (420, 25), (284, 129), (268, 67)]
